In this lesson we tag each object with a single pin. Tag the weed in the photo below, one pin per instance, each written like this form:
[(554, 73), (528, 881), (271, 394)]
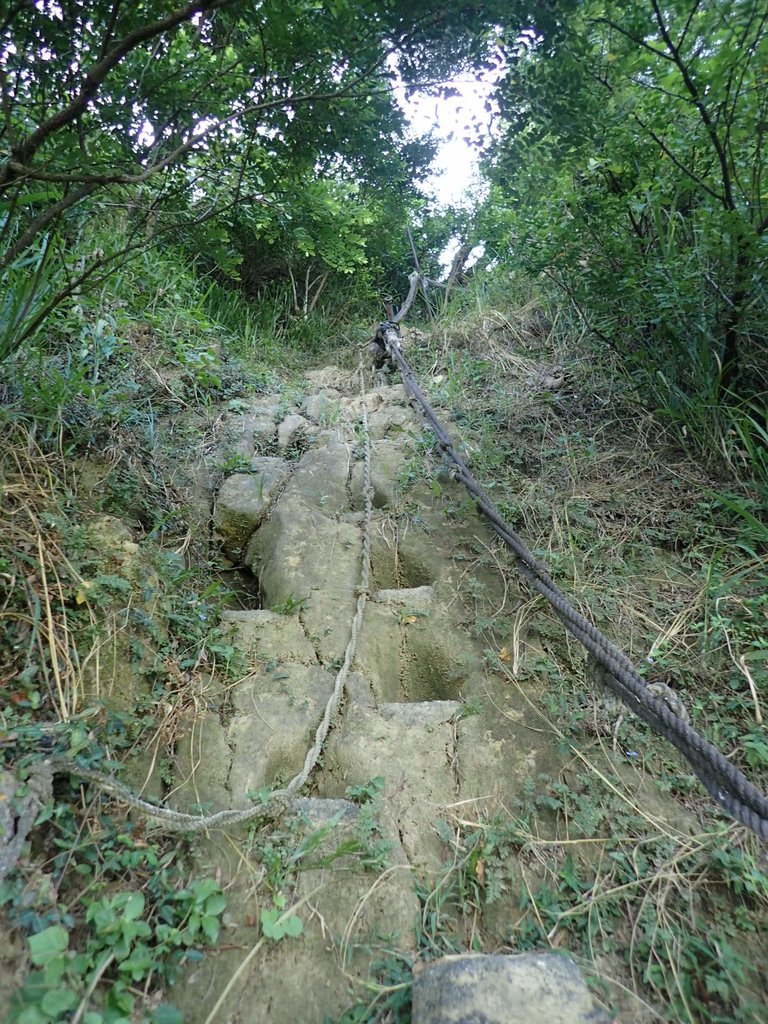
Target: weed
[(608, 900), (472, 707), (391, 986), (235, 462), (109, 629), (668, 560), (276, 924), (374, 847), (290, 606), (93, 941)]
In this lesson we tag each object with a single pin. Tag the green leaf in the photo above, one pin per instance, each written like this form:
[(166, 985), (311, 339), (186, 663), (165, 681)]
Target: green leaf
[(166, 1013), (48, 944), (269, 924), (55, 969), (32, 1015), (134, 906), (293, 926), (139, 963), (210, 926), (102, 917), (215, 904), (276, 928), (135, 929), (58, 1000), (45, 813), (204, 888), (119, 998)]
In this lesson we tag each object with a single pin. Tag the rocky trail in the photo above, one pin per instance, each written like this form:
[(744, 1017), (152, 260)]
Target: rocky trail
[(429, 733)]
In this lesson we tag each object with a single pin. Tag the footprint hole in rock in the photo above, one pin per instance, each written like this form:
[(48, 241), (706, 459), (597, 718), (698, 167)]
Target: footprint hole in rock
[(398, 570), (429, 674)]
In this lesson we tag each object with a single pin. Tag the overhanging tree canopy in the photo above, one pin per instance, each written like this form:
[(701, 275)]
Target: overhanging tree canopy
[(630, 170), (177, 113)]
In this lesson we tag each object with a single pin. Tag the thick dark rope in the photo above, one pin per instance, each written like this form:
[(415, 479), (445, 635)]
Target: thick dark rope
[(724, 782)]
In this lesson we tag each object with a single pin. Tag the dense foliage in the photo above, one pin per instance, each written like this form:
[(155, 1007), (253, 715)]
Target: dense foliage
[(629, 170), (266, 140), (266, 137)]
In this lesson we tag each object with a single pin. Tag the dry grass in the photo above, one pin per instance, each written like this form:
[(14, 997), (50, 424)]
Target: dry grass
[(632, 530), (589, 478), (39, 580), (82, 609)]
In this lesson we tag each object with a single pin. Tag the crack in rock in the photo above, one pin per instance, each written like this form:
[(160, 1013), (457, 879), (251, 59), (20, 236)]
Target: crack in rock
[(452, 754), (311, 640)]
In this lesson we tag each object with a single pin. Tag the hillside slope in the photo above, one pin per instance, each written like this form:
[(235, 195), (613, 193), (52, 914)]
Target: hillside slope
[(182, 595)]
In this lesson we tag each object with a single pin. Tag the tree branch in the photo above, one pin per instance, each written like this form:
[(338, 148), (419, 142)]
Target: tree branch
[(62, 177), (95, 76), (110, 28), (41, 222), (413, 280), (632, 38), (684, 33), (661, 143), (677, 162), (690, 85)]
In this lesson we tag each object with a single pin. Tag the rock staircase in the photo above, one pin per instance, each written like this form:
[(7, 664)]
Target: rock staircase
[(426, 728)]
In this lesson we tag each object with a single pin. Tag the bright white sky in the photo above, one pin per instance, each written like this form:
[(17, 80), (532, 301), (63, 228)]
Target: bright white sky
[(455, 178)]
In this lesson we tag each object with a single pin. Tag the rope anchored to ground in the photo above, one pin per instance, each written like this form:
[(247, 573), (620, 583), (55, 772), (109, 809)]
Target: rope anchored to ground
[(722, 780)]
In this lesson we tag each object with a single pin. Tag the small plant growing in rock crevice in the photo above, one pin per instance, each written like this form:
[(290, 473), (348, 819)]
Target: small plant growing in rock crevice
[(374, 848), (290, 606)]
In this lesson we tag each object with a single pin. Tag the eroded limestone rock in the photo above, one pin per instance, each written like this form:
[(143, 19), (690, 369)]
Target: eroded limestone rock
[(534, 988), (244, 499), (117, 675), (412, 748), (391, 421), (277, 711), (254, 431), (202, 763), (378, 398), (293, 434), (332, 377), (410, 649), (302, 555), (263, 635), (320, 479), (257, 434), (497, 753), (387, 462)]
